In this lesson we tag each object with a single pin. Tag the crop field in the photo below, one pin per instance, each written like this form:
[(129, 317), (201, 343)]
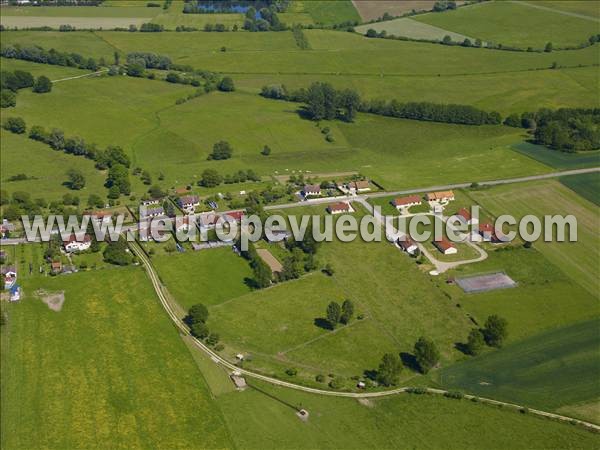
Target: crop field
[(558, 160), (576, 259), (327, 12), (550, 370), (369, 10), (514, 24), (411, 29), (587, 185), (96, 371)]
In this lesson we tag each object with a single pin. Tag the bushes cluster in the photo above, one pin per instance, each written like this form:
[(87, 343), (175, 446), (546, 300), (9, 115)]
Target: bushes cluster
[(212, 178), (300, 38), (149, 60)]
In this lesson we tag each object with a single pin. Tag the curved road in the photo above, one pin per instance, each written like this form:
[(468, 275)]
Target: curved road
[(158, 287)]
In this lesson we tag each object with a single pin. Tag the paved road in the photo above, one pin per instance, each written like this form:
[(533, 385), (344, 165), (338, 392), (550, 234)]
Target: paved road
[(564, 13), (183, 329)]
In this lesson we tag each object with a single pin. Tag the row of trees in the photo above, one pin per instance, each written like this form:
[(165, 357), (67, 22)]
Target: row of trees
[(325, 102), (196, 320), (211, 178), (53, 57)]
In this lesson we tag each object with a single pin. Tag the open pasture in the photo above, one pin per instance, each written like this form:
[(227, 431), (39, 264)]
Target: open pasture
[(583, 7), (550, 370), (370, 10), (328, 12), (514, 24), (96, 371), (557, 159)]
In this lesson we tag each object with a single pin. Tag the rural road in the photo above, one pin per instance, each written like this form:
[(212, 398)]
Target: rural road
[(93, 74), (183, 329)]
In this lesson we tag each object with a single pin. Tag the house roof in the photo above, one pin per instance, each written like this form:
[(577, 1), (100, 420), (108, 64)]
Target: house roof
[(7, 269), (464, 213), (486, 228), (56, 264), (360, 184), (312, 188), (340, 206), (188, 199), (235, 215), (443, 244), (439, 195), (73, 238), (405, 242), (401, 201)]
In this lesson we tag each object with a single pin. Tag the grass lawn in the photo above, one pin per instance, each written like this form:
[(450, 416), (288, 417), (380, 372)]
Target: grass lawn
[(550, 370), (556, 159), (514, 24), (577, 259), (48, 173), (587, 185), (94, 374), (52, 72), (263, 418), (207, 276)]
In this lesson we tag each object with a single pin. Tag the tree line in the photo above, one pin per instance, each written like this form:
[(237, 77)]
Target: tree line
[(212, 178), (564, 129), (323, 101), (11, 82), (53, 57)]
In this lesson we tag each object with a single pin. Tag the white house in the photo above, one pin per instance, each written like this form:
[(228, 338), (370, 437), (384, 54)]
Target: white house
[(150, 213), (71, 244), (406, 202), (188, 202), (311, 190), (445, 247), (465, 217), (10, 276), (407, 244), (340, 208), (440, 196)]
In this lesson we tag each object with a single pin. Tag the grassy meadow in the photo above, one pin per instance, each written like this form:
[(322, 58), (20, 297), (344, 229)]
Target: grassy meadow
[(514, 24), (410, 28), (583, 7), (558, 160), (106, 371), (550, 370)]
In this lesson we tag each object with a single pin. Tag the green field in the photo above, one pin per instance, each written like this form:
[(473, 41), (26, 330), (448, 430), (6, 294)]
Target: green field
[(550, 370), (108, 370), (556, 159), (514, 24), (328, 12), (48, 174), (411, 29), (587, 185), (81, 11), (576, 259), (209, 276), (584, 7)]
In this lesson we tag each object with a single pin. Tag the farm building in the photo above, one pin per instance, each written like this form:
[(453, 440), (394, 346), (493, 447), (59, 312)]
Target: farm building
[(440, 196), (72, 244), (339, 208), (407, 244), (311, 190), (445, 247), (406, 202), (490, 234)]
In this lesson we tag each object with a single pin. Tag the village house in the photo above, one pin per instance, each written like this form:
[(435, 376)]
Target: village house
[(445, 247), (15, 293), (71, 244), (188, 202), (5, 228), (277, 236), (406, 202), (359, 186), (207, 220), (10, 276), (465, 217), (407, 244), (311, 190), (235, 216), (440, 196), (490, 234), (151, 213), (56, 267), (339, 208), (183, 223)]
